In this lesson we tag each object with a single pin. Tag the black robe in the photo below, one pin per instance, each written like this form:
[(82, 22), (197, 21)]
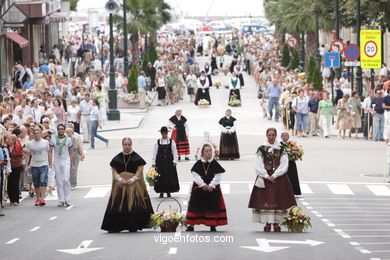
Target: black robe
[(202, 93), (167, 181), (204, 201), (228, 144), (117, 217)]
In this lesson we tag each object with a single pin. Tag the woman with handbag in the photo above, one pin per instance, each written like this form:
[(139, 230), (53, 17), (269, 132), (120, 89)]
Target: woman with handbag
[(206, 205)]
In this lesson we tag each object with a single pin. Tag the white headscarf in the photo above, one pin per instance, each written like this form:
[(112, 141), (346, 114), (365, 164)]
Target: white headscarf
[(275, 146)]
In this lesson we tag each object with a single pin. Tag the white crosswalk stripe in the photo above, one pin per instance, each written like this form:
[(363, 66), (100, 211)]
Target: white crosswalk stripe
[(340, 189), (379, 190), (305, 188), (99, 192)]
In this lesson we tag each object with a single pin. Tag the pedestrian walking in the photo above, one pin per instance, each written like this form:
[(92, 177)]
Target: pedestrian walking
[(16, 156), (234, 88), (378, 114), (95, 124), (85, 117), (368, 119), (203, 89), (37, 160), (192, 83), (273, 92), (343, 121), (301, 107), (164, 159), (356, 109), (61, 159), (78, 155), (129, 206), (142, 89), (324, 114), (292, 171), (313, 109)]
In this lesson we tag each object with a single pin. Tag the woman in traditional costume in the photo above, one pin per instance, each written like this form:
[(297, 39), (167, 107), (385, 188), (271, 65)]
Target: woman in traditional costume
[(228, 145), (164, 160), (292, 171), (206, 205), (129, 206), (239, 70), (272, 194), (203, 89), (234, 86), (178, 125)]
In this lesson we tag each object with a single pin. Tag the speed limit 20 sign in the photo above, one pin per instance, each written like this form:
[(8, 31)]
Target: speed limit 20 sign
[(371, 49)]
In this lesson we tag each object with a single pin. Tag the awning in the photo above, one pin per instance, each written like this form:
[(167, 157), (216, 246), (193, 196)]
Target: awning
[(17, 38), (58, 17)]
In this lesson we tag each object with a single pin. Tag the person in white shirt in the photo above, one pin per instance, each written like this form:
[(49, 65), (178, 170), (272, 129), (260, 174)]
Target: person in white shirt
[(61, 158), (19, 118), (85, 117), (73, 115), (164, 159), (191, 82), (238, 70), (36, 112)]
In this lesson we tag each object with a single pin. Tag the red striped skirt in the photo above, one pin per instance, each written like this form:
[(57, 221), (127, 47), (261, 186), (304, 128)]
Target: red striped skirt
[(209, 219), (183, 147)]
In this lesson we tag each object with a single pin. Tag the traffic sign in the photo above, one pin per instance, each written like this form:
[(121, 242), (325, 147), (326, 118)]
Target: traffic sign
[(352, 63), (352, 52), (337, 46), (292, 42), (332, 60), (371, 46)]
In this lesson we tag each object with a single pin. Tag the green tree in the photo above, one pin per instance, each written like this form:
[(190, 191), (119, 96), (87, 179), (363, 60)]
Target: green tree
[(73, 4), (132, 84), (145, 61), (310, 69), (295, 59), (152, 53), (285, 56), (317, 78)]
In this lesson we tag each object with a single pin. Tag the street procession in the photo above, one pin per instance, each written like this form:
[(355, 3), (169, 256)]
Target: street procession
[(149, 129)]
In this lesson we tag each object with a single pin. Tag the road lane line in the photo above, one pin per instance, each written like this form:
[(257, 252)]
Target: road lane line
[(12, 241), (379, 190), (35, 228), (363, 250), (305, 203), (340, 189), (371, 236), (366, 230), (70, 207), (342, 233), (354, 243), (327, 222), (172, 251), (250, 187), (52, 218), (100, 192), (305, 189)]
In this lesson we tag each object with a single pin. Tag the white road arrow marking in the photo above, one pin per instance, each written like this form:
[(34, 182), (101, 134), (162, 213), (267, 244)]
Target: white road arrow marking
[(264, 244), (81, 249)]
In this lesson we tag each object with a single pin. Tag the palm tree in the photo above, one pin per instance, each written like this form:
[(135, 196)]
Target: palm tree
[(297, 17), (145, 16)]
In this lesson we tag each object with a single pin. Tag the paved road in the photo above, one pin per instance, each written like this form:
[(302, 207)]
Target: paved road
[(342, 182)]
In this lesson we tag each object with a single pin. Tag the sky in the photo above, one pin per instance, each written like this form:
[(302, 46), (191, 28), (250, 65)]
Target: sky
[(200, 7)]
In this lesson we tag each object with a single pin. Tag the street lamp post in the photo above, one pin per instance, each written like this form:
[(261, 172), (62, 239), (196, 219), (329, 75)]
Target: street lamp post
[(125, 47), (359, 69), (337, 9), (113, 112), (302, 61), (318, 56)]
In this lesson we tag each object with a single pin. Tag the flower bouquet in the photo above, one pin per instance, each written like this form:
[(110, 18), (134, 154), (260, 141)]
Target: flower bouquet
[(217, 85), (129, 98), (296, 220), (234, 101), (151, 176), (167, 220), (210, 142), (203, 103), (294, 151)]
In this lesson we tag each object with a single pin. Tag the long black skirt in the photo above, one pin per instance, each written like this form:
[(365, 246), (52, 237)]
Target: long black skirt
[(161, 93), (168, 180), (202, 94), (241, 78), (210, 80), (116, 220), (292, 174), (228, 147)]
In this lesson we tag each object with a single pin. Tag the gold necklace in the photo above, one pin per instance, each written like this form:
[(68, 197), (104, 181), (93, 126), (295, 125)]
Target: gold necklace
[(126, 163), (206, 170)]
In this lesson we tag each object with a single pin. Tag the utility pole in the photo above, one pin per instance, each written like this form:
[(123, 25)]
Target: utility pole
[(125, 47), (337, 9), (359, 82)]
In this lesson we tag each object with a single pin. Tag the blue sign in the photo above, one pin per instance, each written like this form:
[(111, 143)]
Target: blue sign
[(332, 60), (352, 52)]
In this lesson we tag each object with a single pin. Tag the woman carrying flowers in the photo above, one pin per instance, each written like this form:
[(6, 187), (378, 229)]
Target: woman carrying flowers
[(294, 153)]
